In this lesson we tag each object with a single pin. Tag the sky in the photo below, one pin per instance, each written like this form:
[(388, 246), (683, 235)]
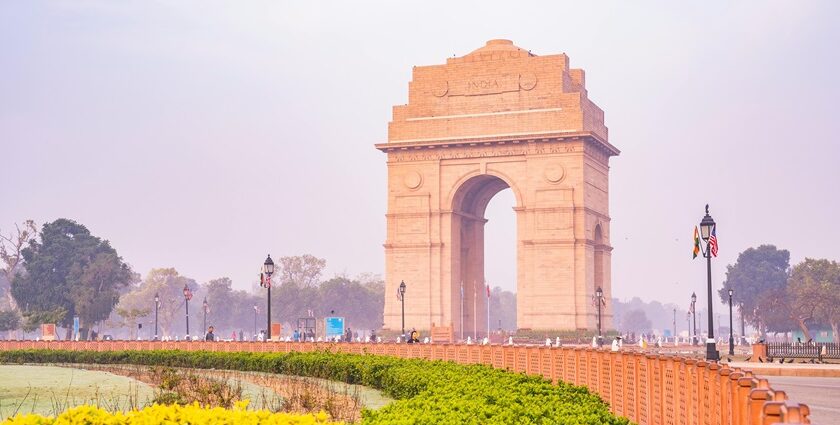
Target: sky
[(204, 135)]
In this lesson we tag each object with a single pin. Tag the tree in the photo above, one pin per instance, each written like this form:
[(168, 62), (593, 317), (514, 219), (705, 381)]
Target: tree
[(33, 319), (10, 255), (814, 289), (169, 285), (9, 320), (758, 279), (803, 293), (502, 309), (70, 270), (130, 316), (361, 304), (230, 310), (303, 270), (6, 300), (636, 321), (661, 315), (291, 301)]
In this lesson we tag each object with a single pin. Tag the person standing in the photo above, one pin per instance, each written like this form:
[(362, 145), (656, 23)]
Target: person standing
[(209, 336)]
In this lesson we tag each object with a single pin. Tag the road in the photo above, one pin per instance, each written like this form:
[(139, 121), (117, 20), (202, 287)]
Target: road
[(822, 395)]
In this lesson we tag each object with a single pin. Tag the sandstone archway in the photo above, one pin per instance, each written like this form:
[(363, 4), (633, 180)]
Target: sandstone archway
[(498, 117)]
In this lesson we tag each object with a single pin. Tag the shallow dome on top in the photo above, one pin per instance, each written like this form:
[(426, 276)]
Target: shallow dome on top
[(497, 45)]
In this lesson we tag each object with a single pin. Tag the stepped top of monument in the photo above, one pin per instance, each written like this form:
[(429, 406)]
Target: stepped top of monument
[(494, 49), (497, 92)]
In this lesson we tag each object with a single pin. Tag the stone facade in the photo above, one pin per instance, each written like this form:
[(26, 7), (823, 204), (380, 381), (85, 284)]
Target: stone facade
[(497, 118)]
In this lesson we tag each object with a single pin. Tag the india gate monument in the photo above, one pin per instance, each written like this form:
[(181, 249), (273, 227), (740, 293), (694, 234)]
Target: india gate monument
[(499, 117)]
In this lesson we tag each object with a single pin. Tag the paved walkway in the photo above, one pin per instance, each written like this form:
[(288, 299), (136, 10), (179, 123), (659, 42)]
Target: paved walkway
[(822, 395), (791, 369)]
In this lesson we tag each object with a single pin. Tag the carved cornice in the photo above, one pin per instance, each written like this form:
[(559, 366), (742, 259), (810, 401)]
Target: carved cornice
[(501, 145)]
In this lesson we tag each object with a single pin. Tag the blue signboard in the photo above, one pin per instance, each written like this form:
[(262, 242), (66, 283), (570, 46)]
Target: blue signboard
[(334, 326), (75, 327)]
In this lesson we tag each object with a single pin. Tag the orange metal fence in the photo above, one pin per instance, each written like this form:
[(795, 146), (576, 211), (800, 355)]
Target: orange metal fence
[(645, 388)]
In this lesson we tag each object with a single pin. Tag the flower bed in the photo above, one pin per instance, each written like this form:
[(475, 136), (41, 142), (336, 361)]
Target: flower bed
[(192, 413), (426, 391)]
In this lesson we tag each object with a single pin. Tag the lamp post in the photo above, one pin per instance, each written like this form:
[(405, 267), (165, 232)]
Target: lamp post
[(187, 298), (206, 308), (157, 304), (255, 321), (599, 294), (268, 270), (743, 326), (694, 318), (402, 303), (731, 332), (675, 326), (707, 232)]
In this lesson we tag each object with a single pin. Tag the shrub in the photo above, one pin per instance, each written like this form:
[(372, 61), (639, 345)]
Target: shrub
[(426, 391)]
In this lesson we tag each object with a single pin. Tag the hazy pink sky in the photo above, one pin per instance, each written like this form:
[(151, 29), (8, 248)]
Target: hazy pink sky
[(204, 135)]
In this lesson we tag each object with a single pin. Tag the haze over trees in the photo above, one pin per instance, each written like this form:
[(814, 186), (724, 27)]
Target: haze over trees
[(502, 309), (657, 316), (11, 247), (62, 271), (169, 285), (636, 321), (297, 291), (777, 298)]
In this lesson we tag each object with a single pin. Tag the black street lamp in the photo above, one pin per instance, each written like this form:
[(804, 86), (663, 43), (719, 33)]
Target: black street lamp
[(187, 298), (268, 270), (731, 331), (206, 308), (157, 304), (694, 318), (707, 232), (402, 302), (599, 294)]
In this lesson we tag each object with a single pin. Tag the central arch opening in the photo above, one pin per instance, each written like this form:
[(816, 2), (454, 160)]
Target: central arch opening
[(470, 256), (500, 259)]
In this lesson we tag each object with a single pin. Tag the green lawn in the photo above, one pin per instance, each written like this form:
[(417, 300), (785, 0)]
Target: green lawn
[(49, 390)]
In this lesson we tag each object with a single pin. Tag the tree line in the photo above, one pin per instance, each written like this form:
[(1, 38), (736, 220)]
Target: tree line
[(64, 272), (775, 297)]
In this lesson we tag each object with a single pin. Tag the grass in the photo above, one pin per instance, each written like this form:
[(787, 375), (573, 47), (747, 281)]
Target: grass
[(273, 392), (50, 390)]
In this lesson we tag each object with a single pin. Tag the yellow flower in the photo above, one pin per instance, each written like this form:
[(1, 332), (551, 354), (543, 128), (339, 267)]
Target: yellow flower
[(172, 414), (241, 405)]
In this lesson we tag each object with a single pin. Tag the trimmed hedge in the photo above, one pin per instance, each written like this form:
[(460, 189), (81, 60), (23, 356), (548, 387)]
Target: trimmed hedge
[(427, 392)]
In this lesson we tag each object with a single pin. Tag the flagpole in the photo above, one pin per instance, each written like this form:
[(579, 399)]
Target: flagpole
[(475, 316), (462, 310), (488, 311)]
